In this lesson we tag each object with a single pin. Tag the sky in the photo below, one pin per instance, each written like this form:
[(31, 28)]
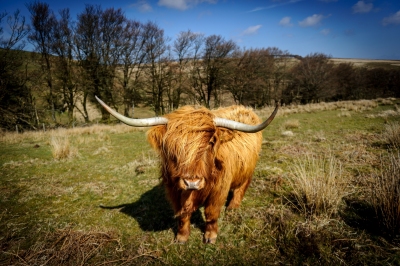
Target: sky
[(367, 29)]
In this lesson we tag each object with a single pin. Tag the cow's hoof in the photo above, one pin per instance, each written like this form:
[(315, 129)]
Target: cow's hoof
[(209, 238), (232, 205), (181, 239)]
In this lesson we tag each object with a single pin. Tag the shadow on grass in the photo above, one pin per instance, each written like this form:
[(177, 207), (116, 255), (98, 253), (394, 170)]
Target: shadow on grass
[(153, 212), (361, 215)]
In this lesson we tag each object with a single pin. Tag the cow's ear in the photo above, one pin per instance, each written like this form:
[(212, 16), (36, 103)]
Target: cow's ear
[(155, 137), (224, 135)]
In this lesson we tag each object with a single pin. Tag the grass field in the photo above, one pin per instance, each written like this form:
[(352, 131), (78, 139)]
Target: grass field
[(324, 192)]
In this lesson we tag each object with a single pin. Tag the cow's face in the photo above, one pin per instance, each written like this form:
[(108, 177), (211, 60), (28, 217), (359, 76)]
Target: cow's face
[(188, 151)]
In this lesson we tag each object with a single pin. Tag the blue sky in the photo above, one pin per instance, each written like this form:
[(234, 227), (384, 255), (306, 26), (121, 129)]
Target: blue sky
[(340, 28)]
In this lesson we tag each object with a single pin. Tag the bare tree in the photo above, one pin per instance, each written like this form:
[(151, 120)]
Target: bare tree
[(250, 76), (185, 52), (99, 49), (209, 76), (157, 64), (344, 81), (393, 83), (377, 80), (42, 20), (280, 72), (111, 47), (132, 59), (16, 100), (87, 41), (196, 70), (62, 45), (312, 79)]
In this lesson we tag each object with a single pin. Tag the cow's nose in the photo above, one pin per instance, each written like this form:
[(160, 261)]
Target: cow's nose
[(192, 184)]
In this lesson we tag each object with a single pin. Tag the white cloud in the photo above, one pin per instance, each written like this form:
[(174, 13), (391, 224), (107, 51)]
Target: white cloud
[(286, 22), (251, 30), (177, 4), (283, 3), (362, 7), (258, 9), (311, 21), (142, 6), (183, 4), (393, 19), (325, 32)]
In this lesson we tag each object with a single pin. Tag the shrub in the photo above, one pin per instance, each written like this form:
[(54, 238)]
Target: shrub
[(318, 185), (386, 193)]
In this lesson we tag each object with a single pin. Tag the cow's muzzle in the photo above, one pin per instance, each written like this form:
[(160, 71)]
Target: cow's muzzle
[(192, 184)]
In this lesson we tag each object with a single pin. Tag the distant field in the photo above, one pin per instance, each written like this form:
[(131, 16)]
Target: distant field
[(53, 183), (369, 63)]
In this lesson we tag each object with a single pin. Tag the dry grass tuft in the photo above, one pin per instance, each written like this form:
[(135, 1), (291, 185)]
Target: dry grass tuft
[(319, 136), (318, 185), (386, 194), (392, 134), (291, 124), (61, 148)]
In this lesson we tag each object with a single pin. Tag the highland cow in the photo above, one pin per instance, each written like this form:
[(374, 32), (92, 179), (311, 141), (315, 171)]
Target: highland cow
[(204, 155)]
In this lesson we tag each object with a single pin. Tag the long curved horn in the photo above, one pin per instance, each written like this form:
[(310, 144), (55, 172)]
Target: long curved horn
[(145, 122), (230, 124)]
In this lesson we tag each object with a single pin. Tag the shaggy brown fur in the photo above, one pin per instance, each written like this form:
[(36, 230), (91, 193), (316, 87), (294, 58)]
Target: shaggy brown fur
[(217, 160)]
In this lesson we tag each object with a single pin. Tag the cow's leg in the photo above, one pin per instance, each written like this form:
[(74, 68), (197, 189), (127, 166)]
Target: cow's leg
[(183, 228), (212, 211), (187, 206), (238, 195), (211, 231), (210, 235)]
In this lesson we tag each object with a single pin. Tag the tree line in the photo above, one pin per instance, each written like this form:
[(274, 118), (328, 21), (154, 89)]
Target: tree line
[(129, 63)]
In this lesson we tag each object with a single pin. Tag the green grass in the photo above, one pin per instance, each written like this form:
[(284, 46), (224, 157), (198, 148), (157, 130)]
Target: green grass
[(50, 210)]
